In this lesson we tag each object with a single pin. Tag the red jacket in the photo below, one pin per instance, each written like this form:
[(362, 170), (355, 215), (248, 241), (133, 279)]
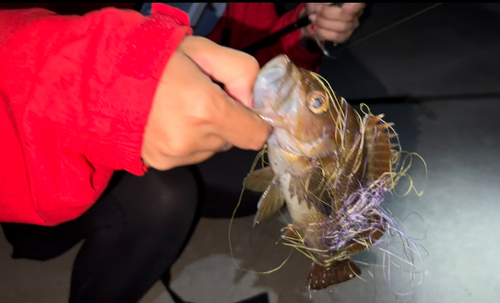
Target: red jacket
[(75, 94)]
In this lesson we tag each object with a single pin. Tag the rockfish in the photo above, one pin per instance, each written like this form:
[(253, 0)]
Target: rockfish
[(327, 164)]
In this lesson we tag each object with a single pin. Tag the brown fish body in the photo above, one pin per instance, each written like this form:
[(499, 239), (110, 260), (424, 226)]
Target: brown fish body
[(326, 164)]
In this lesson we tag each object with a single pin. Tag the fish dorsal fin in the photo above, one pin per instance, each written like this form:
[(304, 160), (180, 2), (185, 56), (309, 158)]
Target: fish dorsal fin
[(321, 277), (259, 180), (377, 148), (270, 202)]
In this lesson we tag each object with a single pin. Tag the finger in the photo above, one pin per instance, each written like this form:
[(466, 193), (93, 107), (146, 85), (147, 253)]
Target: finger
[(354, 8), (235, 69), (317, 7), (214, 143), (225, 147), (216, 115), (226, 118), (159, 160), (336, 37), (336, 26), (340, 34), (241, 127), (348, 12)]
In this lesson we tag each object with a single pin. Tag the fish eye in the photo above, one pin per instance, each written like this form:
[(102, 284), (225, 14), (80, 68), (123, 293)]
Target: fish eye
[(317, 102)]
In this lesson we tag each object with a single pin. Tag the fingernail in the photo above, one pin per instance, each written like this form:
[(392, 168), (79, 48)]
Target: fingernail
[(312, 17), (313, 27), (251, 103)]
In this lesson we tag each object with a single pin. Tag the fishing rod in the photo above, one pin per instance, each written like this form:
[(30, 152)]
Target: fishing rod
[(304, 21)]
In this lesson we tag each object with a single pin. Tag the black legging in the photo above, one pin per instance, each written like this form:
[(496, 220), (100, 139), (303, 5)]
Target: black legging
[(138, 228), (133, 235)]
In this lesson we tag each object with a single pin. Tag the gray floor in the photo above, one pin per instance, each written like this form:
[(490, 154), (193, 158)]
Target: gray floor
[(447, 62)]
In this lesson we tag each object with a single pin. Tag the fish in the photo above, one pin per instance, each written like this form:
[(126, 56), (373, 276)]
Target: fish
[(328, 165)]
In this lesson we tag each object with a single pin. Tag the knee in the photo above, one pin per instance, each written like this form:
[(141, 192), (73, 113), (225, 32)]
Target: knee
[(159, 199), (174, 186)]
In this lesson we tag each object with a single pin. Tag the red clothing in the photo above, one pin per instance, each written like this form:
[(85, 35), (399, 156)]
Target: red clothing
[(75, 94), (251, 22)]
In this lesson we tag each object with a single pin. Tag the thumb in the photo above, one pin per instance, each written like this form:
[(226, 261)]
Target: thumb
[(353, 8), (235, 69)]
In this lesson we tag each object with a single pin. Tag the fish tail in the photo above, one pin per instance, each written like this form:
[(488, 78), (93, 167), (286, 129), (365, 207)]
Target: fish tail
[(321, 277)]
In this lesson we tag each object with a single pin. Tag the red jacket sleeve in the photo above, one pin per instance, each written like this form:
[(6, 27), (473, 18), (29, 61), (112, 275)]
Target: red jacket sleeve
[(251, 22), (75, 94)]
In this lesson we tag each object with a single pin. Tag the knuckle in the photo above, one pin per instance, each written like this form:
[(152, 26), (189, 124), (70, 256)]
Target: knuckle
[(334, 36), (324, 13), (206, 107), (323, 34), (215, 104), (175, 148), (199, 114), (257, 145), (346, 26), (245, 61), (342, 38), (356, 24), (156, 161), (251, 65)]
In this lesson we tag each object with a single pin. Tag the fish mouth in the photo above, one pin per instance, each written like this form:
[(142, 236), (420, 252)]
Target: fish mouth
[(273, 86), (278, 97), (275, 101)]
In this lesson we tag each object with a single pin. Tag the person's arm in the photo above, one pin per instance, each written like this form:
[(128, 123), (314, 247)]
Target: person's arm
[(81, 97), (75, 97)]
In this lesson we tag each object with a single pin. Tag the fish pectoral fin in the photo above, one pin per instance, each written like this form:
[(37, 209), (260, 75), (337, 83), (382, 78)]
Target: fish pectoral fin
[(259, 180), (321, 277), (270, 202)]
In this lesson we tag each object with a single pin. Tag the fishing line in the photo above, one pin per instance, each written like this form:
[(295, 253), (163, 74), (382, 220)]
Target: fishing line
[(376, 33), (403, 173), (400, 169), (304, 21), (260, 156)]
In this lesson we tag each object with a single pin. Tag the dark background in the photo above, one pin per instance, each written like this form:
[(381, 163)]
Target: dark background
[(449, 51), (437, 77)]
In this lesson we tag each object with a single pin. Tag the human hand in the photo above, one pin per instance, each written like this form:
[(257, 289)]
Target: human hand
[(331, 22), (192, 118)]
